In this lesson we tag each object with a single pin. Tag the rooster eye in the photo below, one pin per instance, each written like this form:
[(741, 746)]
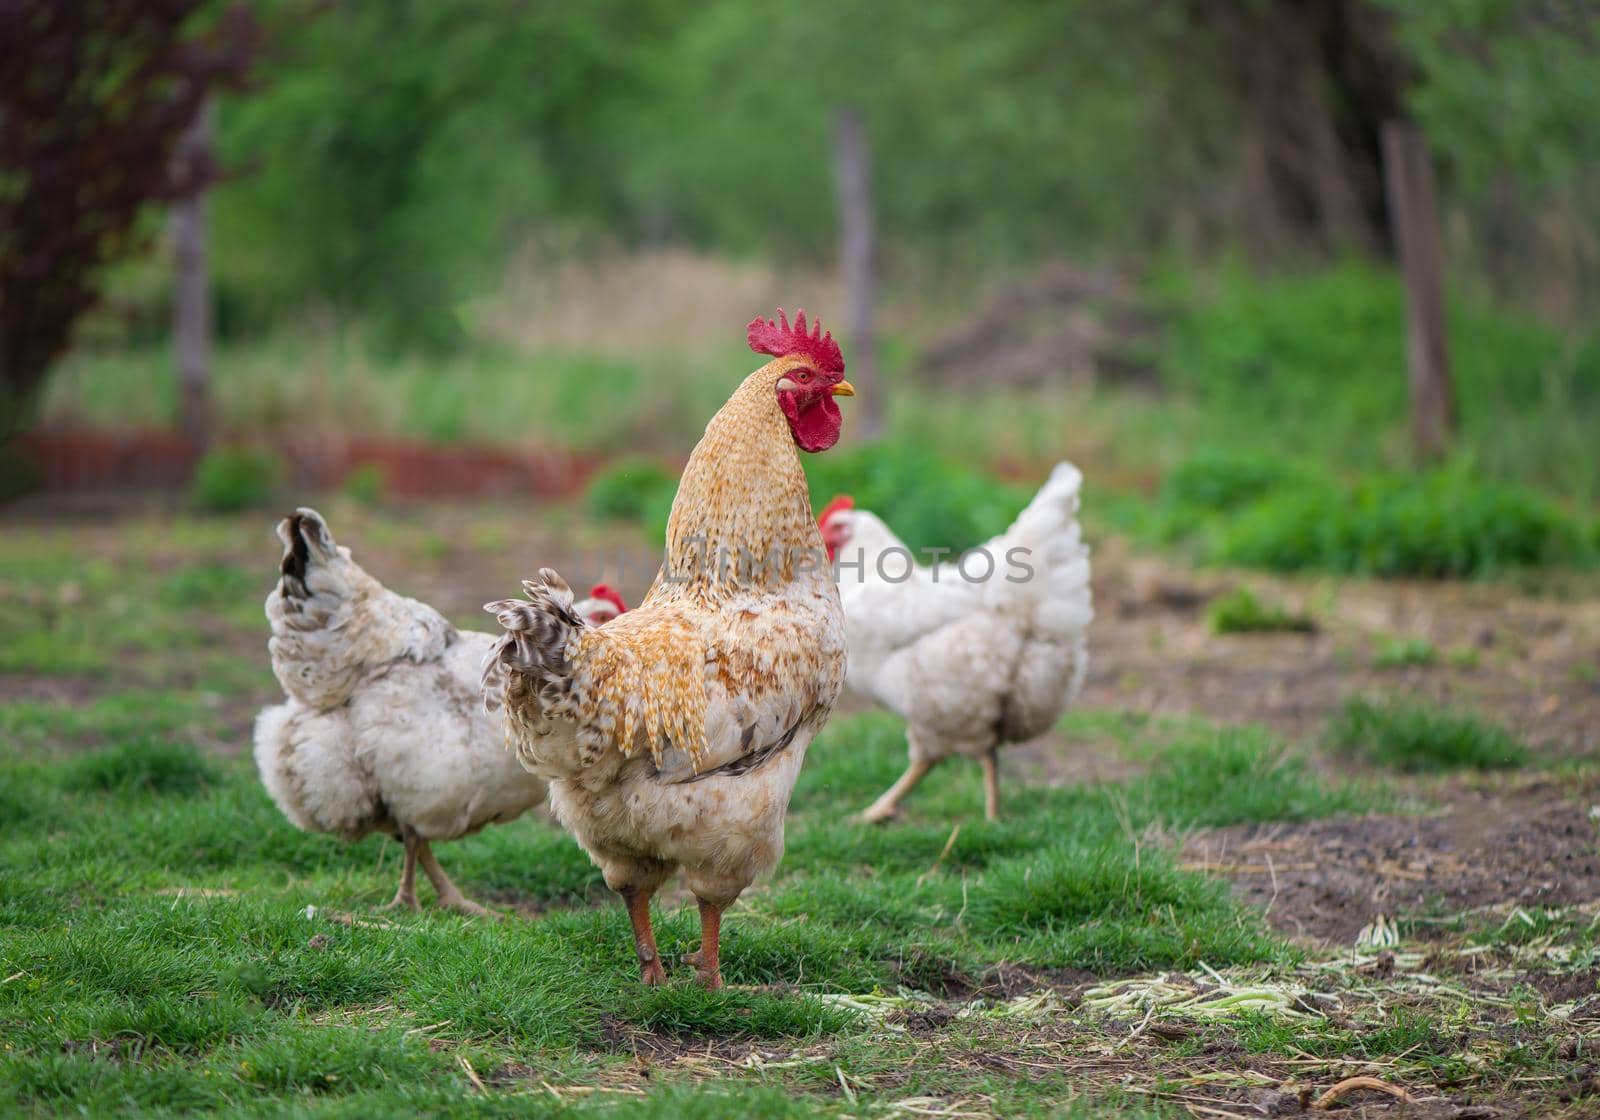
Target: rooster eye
[(804, 375)]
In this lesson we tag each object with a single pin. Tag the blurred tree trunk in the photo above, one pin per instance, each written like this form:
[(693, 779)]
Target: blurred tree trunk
[(191, 322), (1316, 80), (1414, 213), (852, 171)]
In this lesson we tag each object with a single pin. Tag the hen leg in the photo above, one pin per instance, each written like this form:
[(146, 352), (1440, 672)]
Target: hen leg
[(990, 762), (644, 938), (707, 960), (885, 807), (450, 896), (407, 894)]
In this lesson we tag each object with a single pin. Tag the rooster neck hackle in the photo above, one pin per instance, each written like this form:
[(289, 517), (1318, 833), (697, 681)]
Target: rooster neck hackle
[(742, 516)]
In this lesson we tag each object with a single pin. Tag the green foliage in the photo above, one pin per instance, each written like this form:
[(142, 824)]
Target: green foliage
[(1416, 739), (1241, 612), (446, 128), (1439, 525), (1507, 89), (929, 501), (1308, 370), (1252, 512), (1215, 482), (235, 478), (451, 129), (632, 490)]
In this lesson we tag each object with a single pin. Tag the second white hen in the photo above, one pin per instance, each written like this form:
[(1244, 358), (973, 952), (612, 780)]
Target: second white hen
[(383, 730), (971, 664)]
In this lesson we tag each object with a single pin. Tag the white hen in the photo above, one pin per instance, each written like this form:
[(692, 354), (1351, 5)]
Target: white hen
[(971, 661), (384, 730)]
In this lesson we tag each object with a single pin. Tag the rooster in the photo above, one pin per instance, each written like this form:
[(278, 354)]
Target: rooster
[(382, 731), (672, 736), (971, 664)]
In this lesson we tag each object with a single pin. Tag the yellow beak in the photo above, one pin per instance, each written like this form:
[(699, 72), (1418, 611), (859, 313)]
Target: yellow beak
[(843, 389)]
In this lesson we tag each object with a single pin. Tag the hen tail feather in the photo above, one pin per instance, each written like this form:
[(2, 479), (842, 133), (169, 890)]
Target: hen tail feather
[(306, 543)]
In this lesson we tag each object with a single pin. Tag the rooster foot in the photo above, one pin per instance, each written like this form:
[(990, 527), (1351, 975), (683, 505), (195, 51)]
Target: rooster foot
[(408, 902), (652, 974), (710, 977), (461, 904), (879, 813)]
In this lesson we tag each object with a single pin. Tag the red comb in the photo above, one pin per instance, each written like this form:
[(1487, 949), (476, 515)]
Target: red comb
[(609, 594), (781, 340), (840, 502)]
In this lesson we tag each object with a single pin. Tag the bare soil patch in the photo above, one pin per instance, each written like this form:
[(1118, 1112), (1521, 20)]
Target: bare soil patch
[(1529, 662), (1531, 844)]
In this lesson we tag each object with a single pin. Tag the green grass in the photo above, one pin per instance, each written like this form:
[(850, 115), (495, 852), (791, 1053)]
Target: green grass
[(1240, 611), (1411, 738), (153, 902), (1394, 652), (155, 923)]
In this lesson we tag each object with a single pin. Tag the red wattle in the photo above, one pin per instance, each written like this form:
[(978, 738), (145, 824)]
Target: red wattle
[(814, 421)]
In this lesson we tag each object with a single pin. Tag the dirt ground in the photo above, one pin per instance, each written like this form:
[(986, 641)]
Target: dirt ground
[(1528, 662)]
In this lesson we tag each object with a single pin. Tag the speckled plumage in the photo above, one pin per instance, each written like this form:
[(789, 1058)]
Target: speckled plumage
[(673, 736), (971, 665), (383, 730)]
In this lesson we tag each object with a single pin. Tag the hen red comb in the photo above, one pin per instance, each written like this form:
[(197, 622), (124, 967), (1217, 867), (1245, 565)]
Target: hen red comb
[(609, 594), (781, 340), (840, 502)]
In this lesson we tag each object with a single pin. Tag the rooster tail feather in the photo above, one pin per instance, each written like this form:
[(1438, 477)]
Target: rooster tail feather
[(533, 648)]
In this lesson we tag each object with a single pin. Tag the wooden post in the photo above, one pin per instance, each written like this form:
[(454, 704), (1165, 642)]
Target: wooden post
[(1414, 216), (852, 174), (191, 318)]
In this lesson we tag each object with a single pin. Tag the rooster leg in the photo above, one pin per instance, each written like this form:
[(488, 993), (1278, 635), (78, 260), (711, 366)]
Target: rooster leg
[(990, 761), (707, 960), (644, 938), (884, 808), (407, 894), (450, 896)]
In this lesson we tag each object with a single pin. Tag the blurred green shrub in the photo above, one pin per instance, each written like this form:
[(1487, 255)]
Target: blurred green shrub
[(364, 484), (235, 478), (632, 490), (1311, 368), (1241, 612), (1220, 482), (1439, 525), (1257, 511)]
